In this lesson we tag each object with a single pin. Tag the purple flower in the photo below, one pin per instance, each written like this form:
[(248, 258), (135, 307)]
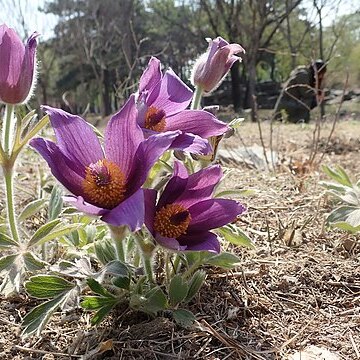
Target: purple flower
[(162, 102), (186, 211), (17, 66), (105, 182), (211, 67)]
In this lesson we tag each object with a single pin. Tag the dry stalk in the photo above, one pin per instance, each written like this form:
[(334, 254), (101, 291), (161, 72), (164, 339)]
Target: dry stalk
[(260, 132), (335, 120)]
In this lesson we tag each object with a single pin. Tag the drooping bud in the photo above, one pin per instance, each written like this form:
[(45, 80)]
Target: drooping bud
[(17, 66), (211, 68)]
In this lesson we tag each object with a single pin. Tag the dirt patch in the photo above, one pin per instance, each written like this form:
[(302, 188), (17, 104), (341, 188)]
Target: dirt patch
[(300, 286)]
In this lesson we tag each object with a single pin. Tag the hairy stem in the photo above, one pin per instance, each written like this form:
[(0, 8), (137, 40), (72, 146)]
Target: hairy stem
[(196, 101), (9, 189), (7, 128), (118, 234)]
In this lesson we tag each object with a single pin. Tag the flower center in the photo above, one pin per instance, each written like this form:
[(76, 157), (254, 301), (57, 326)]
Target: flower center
[(172, 220), (155, 119), (104, 184)]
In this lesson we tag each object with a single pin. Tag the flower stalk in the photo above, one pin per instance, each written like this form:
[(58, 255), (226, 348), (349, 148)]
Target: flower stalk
[(147, 250), (118, 235), (196, 100), (8, 128), (8, 176)]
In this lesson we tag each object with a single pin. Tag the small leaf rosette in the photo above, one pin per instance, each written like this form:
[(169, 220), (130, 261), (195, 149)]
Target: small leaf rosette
[(185, 212), (104, 182)]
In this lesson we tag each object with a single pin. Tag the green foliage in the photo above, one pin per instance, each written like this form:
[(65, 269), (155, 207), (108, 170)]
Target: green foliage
[(37, 318), (47, 286), (178, 290), (346, 216), (235, 235), (183, 317)]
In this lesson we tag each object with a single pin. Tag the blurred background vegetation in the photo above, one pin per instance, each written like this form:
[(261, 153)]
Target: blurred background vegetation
[(93, 52)]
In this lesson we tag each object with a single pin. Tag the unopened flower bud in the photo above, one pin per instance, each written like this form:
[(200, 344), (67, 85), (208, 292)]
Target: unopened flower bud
[(211, 67), (17, 66)]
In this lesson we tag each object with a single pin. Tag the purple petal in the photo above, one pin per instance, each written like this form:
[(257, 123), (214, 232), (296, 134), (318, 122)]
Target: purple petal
[(123, 136), (191, 143), (150, 200), (198, 122), (75, 138), (80, 204), (203, 241), (60, 166), (196, 188), (146, 156), (151, 76), (169, 243), (175, 186), (12, 52), (28, 68), (213, 213), (171, 94), (130, 212)]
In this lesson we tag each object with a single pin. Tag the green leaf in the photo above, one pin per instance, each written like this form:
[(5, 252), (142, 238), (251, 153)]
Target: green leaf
[(6, 242), (339, 175), (58, 231), (334, 187), (32, 262), (96, 302), (105, 251), (178, 290), (195, 284), (43, 231), (348, 214), (55, 203), (183, 317), (224, 260), (342, 225), (199, 257), (97, 288), (100, 315), (7, 261), (122, 282), (116, 268), (156, 301), (47, 286), (236, 122), (32, 208), (37, 318), (235, 235), (235, 192), (40, 124)]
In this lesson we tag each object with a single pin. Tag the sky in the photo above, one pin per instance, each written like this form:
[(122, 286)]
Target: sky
[(13, 11)]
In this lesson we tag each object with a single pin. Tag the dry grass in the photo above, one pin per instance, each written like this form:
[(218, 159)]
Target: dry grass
[(299, 286)]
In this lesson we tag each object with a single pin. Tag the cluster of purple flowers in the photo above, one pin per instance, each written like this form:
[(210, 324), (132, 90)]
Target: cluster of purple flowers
[(106, 180)]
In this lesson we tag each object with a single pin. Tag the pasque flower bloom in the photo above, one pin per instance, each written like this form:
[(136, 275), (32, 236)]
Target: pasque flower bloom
[(211, 67), (17, 66), (162, 102), (185, 212), (105, 182)]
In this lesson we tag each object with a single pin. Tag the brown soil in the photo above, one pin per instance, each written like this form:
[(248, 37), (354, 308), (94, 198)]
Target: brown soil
[(300, 286)]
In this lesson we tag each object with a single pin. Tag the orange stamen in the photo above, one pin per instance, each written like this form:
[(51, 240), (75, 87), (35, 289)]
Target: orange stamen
[(155, 119), (172, 220), (104, 184)]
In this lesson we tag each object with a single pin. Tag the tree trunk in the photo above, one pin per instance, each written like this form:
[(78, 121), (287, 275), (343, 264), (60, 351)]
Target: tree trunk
[(236, 86), (105, 98), (251, 92)]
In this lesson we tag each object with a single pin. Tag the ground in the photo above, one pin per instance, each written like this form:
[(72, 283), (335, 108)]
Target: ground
[(299, 286)]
